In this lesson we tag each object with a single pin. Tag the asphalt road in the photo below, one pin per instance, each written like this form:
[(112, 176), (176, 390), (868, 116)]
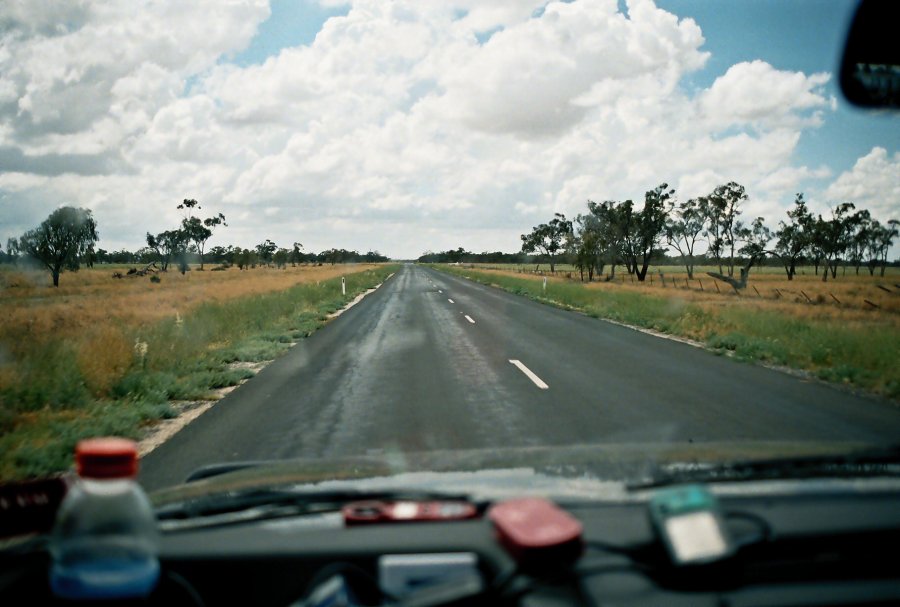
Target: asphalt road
[(424, 363)]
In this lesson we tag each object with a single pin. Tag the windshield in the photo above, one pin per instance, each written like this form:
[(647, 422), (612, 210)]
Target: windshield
[(431, 236)]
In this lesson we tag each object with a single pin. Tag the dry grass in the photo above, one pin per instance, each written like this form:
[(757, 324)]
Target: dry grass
[(840, 339), (806, 297), (34, 311), (92, 313), (105, 356)]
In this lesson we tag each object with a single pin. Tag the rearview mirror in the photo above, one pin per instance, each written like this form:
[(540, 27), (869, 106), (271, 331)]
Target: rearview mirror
[(870, 68)]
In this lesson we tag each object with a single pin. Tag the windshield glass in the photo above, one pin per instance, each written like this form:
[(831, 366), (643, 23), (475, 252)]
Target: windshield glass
[(423, 236)]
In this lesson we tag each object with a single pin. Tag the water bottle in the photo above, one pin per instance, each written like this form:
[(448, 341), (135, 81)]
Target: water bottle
[(104, 544)]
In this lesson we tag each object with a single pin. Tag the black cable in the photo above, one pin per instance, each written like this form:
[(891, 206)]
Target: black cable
[(186, 587), (766, 532), (504, 578), (613, 568), (613, 548)]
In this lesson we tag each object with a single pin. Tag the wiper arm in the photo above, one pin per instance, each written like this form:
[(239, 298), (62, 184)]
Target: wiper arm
[(862, 464), (257, 504)]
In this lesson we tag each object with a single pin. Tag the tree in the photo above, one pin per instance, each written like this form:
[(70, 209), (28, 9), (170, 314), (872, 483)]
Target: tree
[(882, 239), (244, 258), (196, 230), (587, 245), (793, 239), (332, 256), (858, 237), (168, 245), (683, 231), (722, 209), (280, 258), (831, 237), (296, 254), (650, 226), (61, 240), (755, 239), (613, 222), (265, 250), (548, 238), (220, 254), (13, 250)]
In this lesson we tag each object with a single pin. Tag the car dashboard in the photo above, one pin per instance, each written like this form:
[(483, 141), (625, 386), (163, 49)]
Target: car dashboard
[(824, 548)]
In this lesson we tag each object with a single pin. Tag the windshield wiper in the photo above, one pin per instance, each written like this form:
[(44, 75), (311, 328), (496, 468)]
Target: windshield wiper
[(258, 504), (861, 464)]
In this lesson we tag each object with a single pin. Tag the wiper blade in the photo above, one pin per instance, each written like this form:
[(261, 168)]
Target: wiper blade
[(862, 464), (256, 504)]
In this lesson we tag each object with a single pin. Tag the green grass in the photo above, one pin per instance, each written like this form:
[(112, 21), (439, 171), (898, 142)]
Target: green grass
[(865, 355), (45, 413)]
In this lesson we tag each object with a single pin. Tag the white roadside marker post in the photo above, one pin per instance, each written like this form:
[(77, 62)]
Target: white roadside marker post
[(343, 286), (545, 284)]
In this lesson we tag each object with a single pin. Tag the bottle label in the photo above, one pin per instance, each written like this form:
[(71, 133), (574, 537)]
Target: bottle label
[(98, 578)]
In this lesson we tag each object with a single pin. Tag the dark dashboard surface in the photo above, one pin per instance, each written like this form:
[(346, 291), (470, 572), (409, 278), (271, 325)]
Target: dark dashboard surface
[(834, 548)]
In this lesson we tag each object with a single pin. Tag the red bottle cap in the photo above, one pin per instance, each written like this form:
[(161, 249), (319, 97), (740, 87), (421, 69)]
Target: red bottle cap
[(106, 458)]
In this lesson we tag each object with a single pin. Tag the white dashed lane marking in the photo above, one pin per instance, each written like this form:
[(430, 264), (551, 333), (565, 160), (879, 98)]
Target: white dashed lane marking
[(530, 374)]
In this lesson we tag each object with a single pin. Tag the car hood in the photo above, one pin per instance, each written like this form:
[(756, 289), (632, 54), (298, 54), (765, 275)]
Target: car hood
[(596, 472)]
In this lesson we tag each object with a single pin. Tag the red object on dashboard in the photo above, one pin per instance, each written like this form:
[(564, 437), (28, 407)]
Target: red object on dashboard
[(106, 458), (361, 513), (534, 529)]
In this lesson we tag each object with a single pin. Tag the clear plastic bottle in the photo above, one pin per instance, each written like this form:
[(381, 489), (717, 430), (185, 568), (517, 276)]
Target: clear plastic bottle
[(105, 542)]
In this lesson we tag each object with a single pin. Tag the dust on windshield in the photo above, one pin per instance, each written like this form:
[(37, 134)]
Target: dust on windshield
[(446, 235)]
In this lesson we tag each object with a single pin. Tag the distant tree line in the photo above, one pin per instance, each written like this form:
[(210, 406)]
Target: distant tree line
[(615, 233), (68, 239), (460, 255)]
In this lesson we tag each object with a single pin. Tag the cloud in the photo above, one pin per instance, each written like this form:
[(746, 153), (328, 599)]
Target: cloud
[(873, 183), (103, 60), (529, 80), (14, 161), (399, 128), (755, 93)]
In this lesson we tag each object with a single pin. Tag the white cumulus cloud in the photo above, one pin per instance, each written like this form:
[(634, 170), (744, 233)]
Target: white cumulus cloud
[(404, 126), (873, 183)]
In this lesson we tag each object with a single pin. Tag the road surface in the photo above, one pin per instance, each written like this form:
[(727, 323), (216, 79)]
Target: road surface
[(431, 361)]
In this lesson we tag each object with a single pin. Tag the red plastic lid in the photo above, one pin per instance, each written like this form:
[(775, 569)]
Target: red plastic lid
[(531, 527), (106, 458)]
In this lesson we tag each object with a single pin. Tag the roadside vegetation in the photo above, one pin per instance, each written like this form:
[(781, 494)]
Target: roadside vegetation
[(823, 296), (100, 356), (826, 329)]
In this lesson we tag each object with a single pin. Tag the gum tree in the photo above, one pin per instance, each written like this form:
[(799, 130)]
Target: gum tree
[(62, 240), (683, 230), (548, 238), (793, 239)]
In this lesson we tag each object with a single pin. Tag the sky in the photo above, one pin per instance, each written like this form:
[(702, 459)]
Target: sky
[(413, 125)]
